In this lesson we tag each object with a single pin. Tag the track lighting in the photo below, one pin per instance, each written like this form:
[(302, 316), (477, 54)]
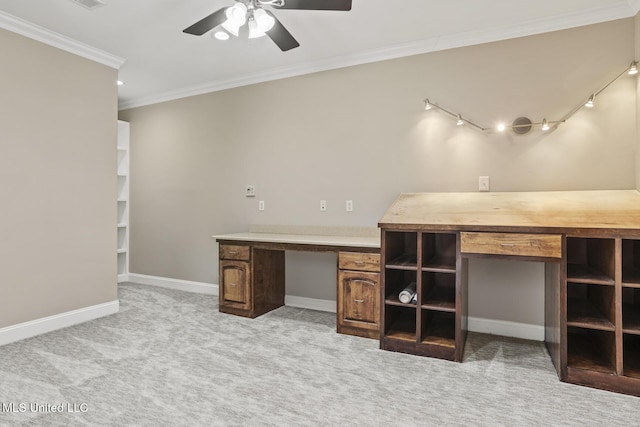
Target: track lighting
[(523, 125), (589, 103), (545, 125)]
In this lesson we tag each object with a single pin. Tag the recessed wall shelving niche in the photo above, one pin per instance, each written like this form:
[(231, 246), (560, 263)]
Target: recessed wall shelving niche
[(123, 201)]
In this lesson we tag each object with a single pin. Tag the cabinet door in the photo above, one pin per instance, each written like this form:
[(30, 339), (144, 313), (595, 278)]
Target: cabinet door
[(235, 282), (359, 299)]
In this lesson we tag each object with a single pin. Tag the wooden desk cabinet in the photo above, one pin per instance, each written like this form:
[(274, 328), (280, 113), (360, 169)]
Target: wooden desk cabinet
[(251, 280), (589, 242), (358, 298), (252, 273)]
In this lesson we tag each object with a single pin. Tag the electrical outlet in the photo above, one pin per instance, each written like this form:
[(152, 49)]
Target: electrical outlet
[(261, 205), (323, 205), (349, 205), (483, 183), (250, 191)]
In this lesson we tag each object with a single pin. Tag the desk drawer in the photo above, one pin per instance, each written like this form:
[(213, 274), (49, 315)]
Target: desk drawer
[(236, 252), (359, 261), (530, 245)]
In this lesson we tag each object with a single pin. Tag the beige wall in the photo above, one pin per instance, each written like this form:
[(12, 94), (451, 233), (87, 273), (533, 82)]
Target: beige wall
[(57, 168), (361, 133), (637, 56)]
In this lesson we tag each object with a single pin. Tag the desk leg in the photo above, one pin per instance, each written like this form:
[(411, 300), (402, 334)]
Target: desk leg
[(268, 280), (554, 308)]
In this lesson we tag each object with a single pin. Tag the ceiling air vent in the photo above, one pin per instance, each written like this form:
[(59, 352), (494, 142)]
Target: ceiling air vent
[(89, 4)]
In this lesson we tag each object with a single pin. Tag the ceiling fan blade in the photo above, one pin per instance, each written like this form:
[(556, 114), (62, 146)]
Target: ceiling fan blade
[(204, 25), (281, 36), (316, 4)]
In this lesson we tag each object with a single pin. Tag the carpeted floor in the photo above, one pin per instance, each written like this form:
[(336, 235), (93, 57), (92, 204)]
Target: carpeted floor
[(169, 358)]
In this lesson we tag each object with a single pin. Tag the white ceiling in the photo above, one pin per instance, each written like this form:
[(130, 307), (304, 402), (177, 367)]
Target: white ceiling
[(161, 62)]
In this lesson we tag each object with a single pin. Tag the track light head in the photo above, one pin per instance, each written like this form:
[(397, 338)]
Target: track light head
[(545, 125), (589, 103)]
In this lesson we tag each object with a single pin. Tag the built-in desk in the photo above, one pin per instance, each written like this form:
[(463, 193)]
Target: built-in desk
[(588, 240), (252, 271)]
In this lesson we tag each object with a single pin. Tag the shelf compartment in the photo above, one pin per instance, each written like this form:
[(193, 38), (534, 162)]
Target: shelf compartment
[(631, 310), (401, 250), (400, 323), (395, 282), (591, 306), (122, 236), (591, 260), (631, 263), (122, 209), (404, 262), (591, 350), (438, 328), (122, 187), (438, 291), (122, 263), (631, 356), (439, 252)]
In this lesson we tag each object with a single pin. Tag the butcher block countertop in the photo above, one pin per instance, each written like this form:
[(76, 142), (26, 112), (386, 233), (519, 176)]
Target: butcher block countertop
[(546, 211)]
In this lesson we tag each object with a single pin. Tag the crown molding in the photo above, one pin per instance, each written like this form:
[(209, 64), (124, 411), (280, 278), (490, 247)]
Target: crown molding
[(537, 26), (41, 34), (634, 5)]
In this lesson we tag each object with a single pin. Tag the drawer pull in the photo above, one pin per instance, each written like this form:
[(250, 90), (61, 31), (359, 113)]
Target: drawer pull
[(359, 300), (233, 252), (359, 262), (507, 244), (233, 284)]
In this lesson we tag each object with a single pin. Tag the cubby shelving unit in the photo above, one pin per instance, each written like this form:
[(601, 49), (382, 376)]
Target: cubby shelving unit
[(603, 312), (591, 304), (436, 324), (589, 242), (631, 307), (122, 249)]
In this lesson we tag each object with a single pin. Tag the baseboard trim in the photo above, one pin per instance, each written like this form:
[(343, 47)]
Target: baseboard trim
[(505, 328), (58, 321), (310, 303), (177, 284), (476, 324)]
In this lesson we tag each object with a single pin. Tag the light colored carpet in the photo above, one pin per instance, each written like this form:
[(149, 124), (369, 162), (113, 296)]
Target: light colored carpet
[(170, 358)]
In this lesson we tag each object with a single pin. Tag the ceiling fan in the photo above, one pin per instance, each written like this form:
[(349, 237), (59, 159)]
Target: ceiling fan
[(259, 21)]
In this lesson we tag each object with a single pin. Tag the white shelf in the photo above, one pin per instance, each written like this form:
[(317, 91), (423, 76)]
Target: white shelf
[(122, 197)]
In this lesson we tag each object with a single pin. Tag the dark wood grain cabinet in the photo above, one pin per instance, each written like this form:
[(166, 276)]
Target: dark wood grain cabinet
[(251, 280), (588, 241), (434, 322), (358, 299), (235, 284)]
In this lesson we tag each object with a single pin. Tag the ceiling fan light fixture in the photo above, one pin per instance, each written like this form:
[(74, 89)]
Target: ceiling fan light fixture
[(237, 13), (236, 18), (264, 20), (254, 30)]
